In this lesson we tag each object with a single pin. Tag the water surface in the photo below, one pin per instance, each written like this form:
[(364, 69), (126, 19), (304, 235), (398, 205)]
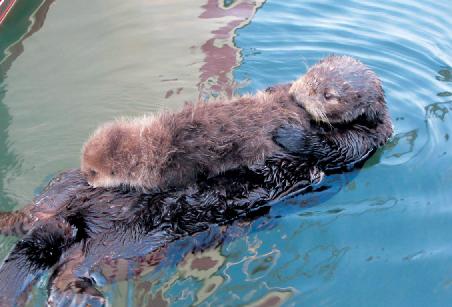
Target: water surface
[(379, 237)]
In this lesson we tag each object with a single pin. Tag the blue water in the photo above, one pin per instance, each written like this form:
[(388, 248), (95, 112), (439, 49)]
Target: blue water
[(388, 244), (377, 237)]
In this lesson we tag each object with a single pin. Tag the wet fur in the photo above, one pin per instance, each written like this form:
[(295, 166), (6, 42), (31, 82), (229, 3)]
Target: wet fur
[(205, 139), (340, 89), (74, 227), (201, 140)]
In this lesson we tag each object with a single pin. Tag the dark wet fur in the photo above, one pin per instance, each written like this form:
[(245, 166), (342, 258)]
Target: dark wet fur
[(100, 222), (74, 226), (204, 140), (112, 221)]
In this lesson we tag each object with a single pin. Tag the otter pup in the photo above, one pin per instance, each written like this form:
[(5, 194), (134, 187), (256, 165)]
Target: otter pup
[(322, 112)]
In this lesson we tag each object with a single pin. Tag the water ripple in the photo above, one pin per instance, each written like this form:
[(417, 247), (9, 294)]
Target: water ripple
[(383, 231), (402, 41), (408, 44)]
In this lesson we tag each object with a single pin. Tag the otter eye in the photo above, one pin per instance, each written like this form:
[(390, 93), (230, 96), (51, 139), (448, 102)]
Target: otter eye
[(327, 95), (93, 173)]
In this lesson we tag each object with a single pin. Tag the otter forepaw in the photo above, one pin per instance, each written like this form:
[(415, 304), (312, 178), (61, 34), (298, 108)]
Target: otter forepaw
[(299, 142), (292, 139)]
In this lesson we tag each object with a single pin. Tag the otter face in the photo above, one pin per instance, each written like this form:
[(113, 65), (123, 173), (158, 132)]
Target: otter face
[(339, 89), (110, 156)]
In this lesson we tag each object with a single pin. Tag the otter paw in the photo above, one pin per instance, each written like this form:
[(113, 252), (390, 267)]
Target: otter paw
[(291, 138)]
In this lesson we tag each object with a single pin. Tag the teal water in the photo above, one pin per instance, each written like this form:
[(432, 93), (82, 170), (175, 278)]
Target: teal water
[(378, 237)]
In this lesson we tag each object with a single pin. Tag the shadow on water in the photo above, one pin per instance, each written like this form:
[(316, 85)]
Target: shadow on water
[(24, 20)]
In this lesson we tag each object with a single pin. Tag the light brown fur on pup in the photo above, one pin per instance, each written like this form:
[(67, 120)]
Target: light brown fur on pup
[(172, 149), (339, 89), (205, 139)]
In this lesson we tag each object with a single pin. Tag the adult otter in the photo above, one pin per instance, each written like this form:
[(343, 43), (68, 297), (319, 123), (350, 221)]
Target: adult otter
[(73, 226), (173, 149)]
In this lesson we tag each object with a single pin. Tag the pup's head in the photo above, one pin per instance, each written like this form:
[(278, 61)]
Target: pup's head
[(112, 155), (339, 89)]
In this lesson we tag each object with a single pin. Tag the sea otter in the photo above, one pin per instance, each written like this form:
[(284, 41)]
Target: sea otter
[(337, 95), (71, 228)]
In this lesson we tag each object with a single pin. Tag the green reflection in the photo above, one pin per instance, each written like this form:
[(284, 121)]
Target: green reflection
[(14, 28)]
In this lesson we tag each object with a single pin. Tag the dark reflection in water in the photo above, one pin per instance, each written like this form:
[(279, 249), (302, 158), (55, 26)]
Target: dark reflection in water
[(444, 75), (26, 18), (402, 143), (438, 110)]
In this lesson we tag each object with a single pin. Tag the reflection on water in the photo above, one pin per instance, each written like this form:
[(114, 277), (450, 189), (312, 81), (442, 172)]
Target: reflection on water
[(401, 144), (11, 46), (382, 231), (26, 19), (18, 26), (118, 59), (32, 15), (221, 53), (391, 217), (438, 109), (7, 158), (445, 75)]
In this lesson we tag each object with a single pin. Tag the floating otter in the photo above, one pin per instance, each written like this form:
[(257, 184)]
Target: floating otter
[(204, 140), (72, 227)]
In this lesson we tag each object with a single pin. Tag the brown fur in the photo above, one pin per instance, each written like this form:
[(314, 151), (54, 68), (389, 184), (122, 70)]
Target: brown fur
[(339, 89), (173, 149)]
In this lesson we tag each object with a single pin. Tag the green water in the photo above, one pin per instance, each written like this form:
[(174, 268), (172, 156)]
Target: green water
[(379, 239)]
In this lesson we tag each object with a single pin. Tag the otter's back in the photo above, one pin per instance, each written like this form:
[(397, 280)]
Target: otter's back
[(209, 138)]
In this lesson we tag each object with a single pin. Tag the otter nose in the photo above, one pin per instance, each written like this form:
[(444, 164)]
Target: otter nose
[(90, 175)]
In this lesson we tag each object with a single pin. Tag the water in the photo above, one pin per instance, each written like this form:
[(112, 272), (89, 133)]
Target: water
[(377, 238)]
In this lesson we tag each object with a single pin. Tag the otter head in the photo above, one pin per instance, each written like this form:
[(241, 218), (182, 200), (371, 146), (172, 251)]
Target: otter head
[(111, 155), (339, 89)]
